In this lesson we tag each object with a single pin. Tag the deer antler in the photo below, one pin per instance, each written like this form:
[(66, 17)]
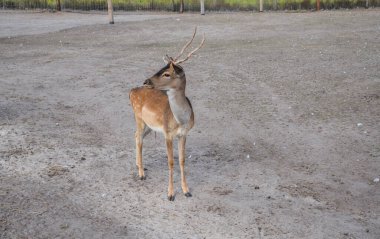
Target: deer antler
[(191, 53), (187, 45), (175, 60), (167, 59)]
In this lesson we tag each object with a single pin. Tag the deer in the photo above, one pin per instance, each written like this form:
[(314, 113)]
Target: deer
[(161, 105)]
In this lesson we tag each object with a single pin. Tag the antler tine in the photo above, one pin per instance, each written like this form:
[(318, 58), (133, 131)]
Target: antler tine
[(167, 59), (187, 45), (192, 52)]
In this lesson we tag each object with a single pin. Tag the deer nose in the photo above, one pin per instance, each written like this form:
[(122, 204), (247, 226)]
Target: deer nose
[(148, 82)]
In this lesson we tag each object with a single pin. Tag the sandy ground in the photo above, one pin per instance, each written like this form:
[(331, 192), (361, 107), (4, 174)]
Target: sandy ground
[(286, 142), (30, 23)]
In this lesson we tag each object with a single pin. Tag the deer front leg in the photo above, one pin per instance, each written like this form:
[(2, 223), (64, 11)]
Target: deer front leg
[(169, 149), (181, 152), (139, 144)]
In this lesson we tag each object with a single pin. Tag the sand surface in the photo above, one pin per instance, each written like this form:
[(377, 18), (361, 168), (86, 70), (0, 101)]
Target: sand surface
[(286, 141)]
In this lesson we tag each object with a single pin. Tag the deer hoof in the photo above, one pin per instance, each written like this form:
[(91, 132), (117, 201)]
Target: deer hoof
[(142, 178), (188, 195), (171, 198)]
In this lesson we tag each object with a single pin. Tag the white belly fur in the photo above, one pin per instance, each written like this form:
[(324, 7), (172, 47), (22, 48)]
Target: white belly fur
[(157, 129)]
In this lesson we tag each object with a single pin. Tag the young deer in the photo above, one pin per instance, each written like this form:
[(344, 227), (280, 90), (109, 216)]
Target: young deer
[(161, 105)]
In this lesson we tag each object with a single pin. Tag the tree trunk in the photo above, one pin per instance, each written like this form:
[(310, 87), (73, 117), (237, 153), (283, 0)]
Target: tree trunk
[(59, 5), (318, 5), (261, 5), (181, 6), (110, 12)]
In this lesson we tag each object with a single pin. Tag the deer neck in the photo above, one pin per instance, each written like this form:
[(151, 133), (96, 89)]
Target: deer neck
[(179, 105)]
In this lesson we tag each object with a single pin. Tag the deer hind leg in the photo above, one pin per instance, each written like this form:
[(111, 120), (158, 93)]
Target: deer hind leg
[(169, 149), (140, 125), (181, 152)]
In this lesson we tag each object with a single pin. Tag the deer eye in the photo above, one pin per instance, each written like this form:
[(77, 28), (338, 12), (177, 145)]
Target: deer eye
[(166, 74)]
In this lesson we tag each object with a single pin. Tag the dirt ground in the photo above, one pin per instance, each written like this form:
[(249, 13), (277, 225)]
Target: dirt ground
[(286, 142)]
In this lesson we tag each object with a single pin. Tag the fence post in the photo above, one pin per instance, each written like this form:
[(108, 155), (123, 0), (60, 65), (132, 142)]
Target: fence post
[(181, 6), (110, 12), (261, 5), (203, 7)]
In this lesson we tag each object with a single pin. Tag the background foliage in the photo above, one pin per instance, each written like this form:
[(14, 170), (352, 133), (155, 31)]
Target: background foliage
[(190, 5)]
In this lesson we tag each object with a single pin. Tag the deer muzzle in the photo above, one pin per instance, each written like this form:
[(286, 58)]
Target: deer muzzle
[(148, 82)]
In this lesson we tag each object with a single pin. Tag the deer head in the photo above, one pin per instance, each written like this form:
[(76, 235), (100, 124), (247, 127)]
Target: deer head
[(172, 75), (169, 77)]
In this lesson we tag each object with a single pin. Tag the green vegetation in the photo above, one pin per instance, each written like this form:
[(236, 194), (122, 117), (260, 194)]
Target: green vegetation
[(190, 5)]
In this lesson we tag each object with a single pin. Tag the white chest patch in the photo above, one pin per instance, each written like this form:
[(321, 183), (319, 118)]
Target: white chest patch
[(181, 109)]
